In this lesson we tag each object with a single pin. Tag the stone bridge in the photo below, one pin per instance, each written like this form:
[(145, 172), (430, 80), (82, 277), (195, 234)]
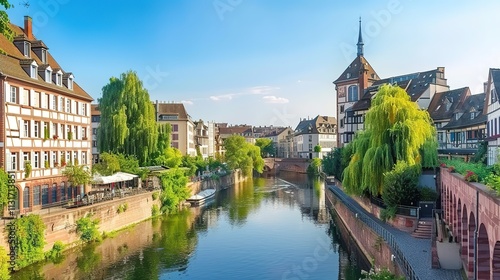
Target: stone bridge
[(472, 212), (298, 165)]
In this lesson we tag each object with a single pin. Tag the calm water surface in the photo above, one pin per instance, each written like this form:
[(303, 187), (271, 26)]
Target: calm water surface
[(262, 229)]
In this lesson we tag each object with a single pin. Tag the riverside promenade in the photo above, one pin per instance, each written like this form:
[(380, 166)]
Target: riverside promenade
[(412, 254)]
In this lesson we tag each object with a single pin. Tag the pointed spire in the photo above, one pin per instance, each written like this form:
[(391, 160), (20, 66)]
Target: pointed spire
[(360, 40)]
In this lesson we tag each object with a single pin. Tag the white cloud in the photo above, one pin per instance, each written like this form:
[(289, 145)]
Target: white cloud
[(188, 102), (262, 89), (274, 99), (222, 97)]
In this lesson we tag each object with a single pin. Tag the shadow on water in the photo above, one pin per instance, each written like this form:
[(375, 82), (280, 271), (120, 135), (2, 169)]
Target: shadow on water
[(164, 247)]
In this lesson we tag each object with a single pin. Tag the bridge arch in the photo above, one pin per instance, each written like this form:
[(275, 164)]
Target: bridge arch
[(472, 228), (465, 236), (483, 254), (495, 261)]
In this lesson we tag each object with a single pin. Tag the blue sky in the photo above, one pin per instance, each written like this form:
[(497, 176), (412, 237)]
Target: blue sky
[(262, 62)]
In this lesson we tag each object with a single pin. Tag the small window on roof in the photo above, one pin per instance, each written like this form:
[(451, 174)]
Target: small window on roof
[(348, 75)]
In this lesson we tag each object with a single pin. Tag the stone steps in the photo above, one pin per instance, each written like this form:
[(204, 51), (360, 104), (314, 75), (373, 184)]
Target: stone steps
[(423, 230)]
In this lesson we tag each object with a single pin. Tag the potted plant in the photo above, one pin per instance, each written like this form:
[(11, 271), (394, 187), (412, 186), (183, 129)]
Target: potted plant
[(70, 135), (55, 137), (47, 164), (27, 169)]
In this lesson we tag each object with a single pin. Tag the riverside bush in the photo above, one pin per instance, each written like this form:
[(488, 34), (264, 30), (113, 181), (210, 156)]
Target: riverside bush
[(87, 229)]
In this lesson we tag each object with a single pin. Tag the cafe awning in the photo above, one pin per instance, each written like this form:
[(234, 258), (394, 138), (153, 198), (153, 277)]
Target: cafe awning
[(115, 178)]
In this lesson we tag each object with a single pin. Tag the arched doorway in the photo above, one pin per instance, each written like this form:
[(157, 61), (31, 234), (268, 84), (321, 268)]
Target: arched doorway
[(483, 254), (495, 261), (472, 228)]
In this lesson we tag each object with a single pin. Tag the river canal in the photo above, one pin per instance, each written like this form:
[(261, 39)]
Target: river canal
[(262, 229)]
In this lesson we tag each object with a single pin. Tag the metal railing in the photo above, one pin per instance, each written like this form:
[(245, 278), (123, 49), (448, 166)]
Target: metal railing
[(403, 210), (382, 232)]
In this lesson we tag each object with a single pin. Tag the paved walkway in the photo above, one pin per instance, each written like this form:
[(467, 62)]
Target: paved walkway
[(413, 254)]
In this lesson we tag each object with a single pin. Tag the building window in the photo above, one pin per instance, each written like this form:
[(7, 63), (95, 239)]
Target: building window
[(84, 109), (54, 159), (26, 129), (175, 127), (310, 138), (45, 158), (26, 157), (63, 191), (54, 192), (68, 105), (84, 158), (84, 133), (493, 94), (36, 130), (175, 137), (45, 194), (59, 79), (70, 83), (341, 108), (94, 131), (13, 161), (26, 197), (34, 71), (13, 94), (36, 195), (96, 119), (44, 56), (37, 160), (352, 94), (342, 123), (48, 76), (94, 143), (27, 49)]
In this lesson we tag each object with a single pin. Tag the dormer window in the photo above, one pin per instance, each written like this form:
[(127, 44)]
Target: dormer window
[(34, 71), (27, 49), (48, 75), (44, 56), (57, 77), (68, 80)]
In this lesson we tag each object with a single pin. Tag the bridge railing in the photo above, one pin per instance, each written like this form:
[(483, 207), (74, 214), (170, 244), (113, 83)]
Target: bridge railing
[(388, 237)]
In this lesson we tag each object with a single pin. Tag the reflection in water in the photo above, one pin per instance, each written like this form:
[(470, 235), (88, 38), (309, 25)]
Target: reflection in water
[(260, 229)]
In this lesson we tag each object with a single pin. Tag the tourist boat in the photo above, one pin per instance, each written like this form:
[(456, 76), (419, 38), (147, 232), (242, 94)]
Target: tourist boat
[(201, 197)]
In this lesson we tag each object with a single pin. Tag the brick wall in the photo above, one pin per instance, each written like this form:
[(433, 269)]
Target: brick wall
[(373, 247)]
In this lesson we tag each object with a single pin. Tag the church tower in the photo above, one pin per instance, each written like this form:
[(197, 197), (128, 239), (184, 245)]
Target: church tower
[(350, 86)]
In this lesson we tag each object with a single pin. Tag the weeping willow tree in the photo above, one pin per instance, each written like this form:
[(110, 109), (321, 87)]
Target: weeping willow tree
[(128, 118), (396, 130)]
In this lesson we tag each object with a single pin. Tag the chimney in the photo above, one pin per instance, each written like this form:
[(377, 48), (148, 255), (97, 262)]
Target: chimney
[(28, 30)]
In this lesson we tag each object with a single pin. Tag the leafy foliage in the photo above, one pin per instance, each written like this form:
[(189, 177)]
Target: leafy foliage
[(314, 166), (128, 118), (243, 155), (481, 154), (4, 189), (30, 240), (155, 210), (55, 254), (460, 166), (5, 22), (401, 185), (86, 227), (317, 149), (396, 130), (383, 274), (77, 175), (4, 264), (174, 189), (266, 146), (332, 163)]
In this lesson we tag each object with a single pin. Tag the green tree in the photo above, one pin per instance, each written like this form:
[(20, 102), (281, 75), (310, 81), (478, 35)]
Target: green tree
[(243, 155), (159, 156), (174, 189), (401, 185), (4, 189), (128, 118), (108, 164), (86, 227), (173, 157), (313, 168), (30, 240), (332, 163), (396, 130), (266, 146), (77, 175), (4, 20)]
